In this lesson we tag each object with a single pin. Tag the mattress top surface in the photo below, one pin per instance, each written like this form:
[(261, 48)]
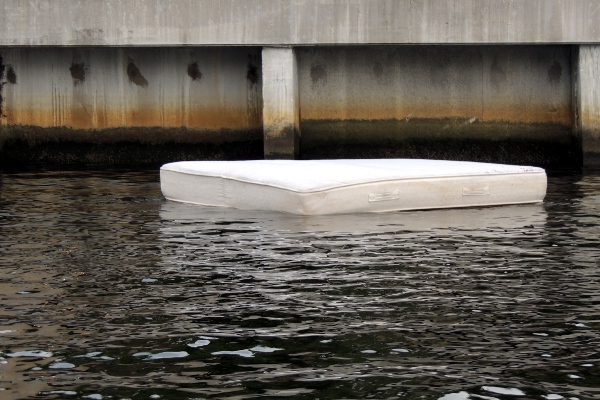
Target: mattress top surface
[(315, 175)]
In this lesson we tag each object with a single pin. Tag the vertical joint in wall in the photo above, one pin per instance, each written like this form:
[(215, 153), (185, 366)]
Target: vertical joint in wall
[(576, 105), (587, 105)]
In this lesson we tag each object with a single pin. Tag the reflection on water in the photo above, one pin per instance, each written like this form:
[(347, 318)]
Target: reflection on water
[(108, 291)]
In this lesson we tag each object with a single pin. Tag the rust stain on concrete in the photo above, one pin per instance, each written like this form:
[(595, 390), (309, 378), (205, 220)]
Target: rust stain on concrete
[(80, 117)]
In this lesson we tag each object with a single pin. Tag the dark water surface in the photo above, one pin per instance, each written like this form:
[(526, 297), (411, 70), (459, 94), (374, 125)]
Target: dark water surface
[(109, 291)]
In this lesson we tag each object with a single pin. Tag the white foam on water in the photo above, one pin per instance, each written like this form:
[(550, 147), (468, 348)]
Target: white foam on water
[(96, 355), (58, 364), (95, 396), (455, 396), (401, 351), (199, 343), (504, 391), (60, 392), (553, 397), (264, 349), (368, 352), (168, 354), (30, 353), (241, 353)]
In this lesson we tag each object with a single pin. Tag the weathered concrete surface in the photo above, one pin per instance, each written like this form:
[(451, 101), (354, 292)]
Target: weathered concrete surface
[(588, 103), (296, 22), (393, 96), (89, 104), (281, 118), (98, 88), (462, 102), (133, 95)]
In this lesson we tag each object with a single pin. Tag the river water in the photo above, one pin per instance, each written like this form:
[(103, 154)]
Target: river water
[(109, 291)]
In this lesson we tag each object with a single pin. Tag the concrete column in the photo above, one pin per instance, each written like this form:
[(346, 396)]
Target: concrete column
[(281, 113), (588, 102)]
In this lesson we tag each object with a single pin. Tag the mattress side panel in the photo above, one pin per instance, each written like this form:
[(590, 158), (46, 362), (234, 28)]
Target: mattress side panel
[(224, 192), (430, 193), (197, 189)]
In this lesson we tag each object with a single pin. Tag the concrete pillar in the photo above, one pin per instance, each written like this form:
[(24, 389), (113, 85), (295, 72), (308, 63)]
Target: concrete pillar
[(281, 113), (587, 87)]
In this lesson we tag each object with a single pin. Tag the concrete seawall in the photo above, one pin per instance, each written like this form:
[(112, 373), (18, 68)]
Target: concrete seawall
[(407, 98), (154, 81), (174, 97)]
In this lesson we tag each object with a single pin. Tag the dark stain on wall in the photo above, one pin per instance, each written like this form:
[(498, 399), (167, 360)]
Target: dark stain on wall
[(252, 74), (377, 69), (78, 73), (135, 75), (497, 73), (11, 77), (318, 74), (555, 73), (193, 71)]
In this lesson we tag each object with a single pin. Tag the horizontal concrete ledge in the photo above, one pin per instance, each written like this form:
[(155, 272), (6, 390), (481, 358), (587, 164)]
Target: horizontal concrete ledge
[(296, 22)]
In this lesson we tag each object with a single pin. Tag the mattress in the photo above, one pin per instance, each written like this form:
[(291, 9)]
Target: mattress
[(318, 187)]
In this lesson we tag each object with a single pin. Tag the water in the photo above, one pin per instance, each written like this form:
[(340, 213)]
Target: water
[(109, 291)]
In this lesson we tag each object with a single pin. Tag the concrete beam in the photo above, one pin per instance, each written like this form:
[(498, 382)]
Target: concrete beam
[(588, 103), (281, 116), (296, 22)]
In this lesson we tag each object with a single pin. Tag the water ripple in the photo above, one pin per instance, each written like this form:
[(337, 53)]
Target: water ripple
[(110, 291)]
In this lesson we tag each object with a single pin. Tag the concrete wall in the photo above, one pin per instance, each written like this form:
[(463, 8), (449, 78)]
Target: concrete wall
[(588, 102), (296, 22), (392, 97), (144, 95), (319, 102), (357, 74)]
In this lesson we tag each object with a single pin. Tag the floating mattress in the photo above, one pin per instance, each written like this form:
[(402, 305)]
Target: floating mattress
[(316, 187)]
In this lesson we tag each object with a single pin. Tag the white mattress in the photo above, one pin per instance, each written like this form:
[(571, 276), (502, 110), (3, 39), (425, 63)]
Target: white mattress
[(316, 187)]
